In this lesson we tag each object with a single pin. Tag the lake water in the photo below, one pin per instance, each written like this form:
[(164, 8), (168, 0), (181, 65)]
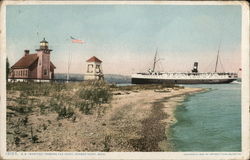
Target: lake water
[(209, 121)]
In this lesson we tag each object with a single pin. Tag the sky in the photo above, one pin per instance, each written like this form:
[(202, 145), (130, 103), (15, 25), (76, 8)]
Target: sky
[(126, 37)]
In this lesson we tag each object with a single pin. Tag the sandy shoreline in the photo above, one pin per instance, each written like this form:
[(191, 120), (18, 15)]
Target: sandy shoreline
[(135, 120), (156, 110)]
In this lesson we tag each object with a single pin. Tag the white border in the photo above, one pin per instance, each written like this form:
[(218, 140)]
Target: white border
[(2, 80), (245, 79), (158, 2), (134, 155)]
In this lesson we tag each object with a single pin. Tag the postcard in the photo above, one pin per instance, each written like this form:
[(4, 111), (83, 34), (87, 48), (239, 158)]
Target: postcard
[(124, 80)]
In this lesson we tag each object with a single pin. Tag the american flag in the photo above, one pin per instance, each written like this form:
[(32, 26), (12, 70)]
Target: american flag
[(76, 40)]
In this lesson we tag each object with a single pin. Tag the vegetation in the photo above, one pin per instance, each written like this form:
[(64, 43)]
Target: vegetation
[(39, 112), (36, 89), (7, 68), (65, 100), (106, 143)]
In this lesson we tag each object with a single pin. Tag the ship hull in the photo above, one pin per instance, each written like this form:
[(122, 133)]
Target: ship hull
[(180, 81)]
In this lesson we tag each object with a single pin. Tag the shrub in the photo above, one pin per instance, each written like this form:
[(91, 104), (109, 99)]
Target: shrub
[(44, 126), (43, 108), (24, 120), (35, 139), (92, 95), (20, 109), (65, 112), (22, 100), (54, 106), (106, 143), (17, 140), (96, 95), (85, 107)]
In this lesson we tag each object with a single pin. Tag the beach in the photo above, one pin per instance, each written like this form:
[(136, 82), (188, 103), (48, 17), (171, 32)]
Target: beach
[(133, 120), (144, 118)]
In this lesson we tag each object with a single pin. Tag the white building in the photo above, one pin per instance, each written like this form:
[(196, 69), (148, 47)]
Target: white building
[(94, 69)]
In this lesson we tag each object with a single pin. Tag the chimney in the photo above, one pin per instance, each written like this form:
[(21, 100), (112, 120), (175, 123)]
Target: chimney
[(26, 52)]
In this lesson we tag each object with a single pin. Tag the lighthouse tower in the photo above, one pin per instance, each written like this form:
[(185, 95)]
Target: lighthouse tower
[(94, 69), (43, 54)]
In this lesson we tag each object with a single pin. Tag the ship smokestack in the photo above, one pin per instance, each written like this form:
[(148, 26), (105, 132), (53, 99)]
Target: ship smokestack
[(195, 68)]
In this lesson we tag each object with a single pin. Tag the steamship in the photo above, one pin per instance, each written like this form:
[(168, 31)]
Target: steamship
[(192, 77)]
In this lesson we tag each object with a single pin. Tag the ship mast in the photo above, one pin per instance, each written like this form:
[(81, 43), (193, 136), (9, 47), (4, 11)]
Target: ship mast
[(155, 60), (215, 70), (216, 64)]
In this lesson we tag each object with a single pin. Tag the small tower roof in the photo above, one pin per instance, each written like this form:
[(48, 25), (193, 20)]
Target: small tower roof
[(94, 59)]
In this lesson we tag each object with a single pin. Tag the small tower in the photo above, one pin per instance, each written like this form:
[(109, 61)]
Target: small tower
[(43, 68), (94, 69)]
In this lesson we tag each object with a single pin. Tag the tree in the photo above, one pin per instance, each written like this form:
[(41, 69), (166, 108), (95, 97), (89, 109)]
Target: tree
[(7, 68)]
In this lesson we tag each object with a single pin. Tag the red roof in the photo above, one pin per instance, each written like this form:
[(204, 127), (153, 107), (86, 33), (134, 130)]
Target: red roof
[(52, 65), (25, 61), (94, 59)]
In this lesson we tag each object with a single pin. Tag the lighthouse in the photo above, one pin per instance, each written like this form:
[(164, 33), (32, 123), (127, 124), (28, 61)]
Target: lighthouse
[(94, 69), (36, 66)]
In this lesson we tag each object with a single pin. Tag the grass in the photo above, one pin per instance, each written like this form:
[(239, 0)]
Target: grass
[(60, 97), (93, 97), (66, 100), (36, 89)]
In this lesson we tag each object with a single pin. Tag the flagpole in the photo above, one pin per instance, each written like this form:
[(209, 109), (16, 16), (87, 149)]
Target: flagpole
[(68, 65), (73, 40), (68, 70)]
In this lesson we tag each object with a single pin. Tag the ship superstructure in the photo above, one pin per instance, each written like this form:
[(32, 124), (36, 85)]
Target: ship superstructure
[(193, 77)]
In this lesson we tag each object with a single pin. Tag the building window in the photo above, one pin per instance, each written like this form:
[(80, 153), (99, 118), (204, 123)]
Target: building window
[(90, 68), (45, 72), (97, 68)]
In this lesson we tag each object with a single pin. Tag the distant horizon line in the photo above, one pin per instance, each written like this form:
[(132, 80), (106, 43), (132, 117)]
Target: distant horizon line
[(136, 72)]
